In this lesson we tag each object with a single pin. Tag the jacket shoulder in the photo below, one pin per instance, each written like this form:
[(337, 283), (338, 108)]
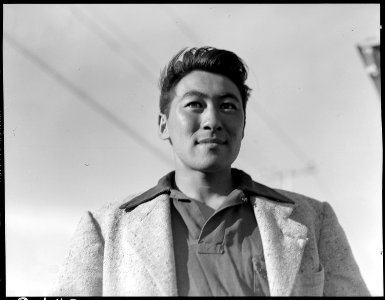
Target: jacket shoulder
[(108, 215), (307, 210), (112, 206), (302, 200)]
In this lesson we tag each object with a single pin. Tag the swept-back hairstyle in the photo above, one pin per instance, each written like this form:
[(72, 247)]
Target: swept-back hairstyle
[(207, 59)]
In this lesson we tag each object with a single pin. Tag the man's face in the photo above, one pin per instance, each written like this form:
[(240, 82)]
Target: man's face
[(205, 122)]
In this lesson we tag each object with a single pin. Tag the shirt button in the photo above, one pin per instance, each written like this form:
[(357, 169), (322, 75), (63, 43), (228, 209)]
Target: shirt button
[(243, 198)]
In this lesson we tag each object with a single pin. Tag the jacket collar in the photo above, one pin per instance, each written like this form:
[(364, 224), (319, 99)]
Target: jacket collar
[(243, 181)]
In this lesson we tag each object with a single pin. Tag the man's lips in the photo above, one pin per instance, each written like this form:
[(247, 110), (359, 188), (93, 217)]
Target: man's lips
[(212, 141)]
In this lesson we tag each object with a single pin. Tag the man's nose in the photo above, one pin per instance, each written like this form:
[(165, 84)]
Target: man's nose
[(211, 119)]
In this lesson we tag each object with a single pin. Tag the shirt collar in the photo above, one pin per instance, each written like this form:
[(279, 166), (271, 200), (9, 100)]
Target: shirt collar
[(243, 182)]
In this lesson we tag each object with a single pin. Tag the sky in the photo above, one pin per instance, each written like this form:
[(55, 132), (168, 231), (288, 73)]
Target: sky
[(81, 105)]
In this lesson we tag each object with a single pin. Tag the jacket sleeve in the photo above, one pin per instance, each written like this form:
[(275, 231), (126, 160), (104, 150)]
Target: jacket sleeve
[(342, 274), (82, 271)]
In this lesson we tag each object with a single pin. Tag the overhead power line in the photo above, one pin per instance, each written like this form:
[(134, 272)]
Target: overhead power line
[(302, 156), (178, 21), (86, 99), (113, 43), (124, 38)]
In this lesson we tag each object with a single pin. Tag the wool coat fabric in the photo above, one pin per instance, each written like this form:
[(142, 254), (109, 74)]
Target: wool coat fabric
[(120, 253)]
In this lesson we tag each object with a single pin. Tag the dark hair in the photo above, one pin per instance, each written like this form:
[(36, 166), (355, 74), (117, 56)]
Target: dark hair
[(208, 59)]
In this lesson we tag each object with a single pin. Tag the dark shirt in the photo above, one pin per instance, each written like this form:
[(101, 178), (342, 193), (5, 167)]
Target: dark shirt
[(217, 252), (214, 249)]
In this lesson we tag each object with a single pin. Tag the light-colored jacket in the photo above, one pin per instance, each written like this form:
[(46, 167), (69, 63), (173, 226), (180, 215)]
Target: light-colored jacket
[(119, 253)]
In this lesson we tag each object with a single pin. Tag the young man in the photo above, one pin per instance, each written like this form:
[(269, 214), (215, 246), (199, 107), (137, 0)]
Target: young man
[(207, 229)]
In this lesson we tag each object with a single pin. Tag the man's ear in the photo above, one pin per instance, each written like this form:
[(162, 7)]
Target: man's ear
[(162, 127)]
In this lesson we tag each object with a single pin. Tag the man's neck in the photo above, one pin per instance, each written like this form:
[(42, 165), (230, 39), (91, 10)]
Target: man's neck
[(210, 188)]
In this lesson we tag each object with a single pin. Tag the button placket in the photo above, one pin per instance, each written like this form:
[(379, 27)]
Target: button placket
[(211, 241)]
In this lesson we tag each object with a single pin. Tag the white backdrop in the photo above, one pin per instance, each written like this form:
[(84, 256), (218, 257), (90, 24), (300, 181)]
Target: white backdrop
[(81, 104)]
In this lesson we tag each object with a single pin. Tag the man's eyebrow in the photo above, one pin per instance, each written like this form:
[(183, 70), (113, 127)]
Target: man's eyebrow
[(195, 93), (228, 95)]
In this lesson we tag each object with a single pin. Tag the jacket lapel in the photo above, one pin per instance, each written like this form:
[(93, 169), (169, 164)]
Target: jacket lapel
[(151, 239), (283, 242)]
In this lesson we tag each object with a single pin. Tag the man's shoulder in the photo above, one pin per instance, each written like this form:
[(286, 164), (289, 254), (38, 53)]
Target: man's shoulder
[(299, 198), (112, 209), (304, 204)]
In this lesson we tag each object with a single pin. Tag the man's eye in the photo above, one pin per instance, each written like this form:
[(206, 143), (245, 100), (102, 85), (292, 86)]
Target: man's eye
[(228, 106), (194, 105)]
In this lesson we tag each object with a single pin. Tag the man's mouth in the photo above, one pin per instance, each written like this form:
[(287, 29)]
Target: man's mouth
[(212, 140)]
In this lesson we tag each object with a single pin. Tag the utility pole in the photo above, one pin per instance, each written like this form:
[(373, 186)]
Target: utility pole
[(369, 51)]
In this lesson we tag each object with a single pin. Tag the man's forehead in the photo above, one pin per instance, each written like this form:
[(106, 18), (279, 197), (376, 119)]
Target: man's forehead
[(202, 83)]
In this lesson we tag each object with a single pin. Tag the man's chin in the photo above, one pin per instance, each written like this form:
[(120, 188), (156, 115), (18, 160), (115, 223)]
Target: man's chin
[(208, 163), (212, 166)]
